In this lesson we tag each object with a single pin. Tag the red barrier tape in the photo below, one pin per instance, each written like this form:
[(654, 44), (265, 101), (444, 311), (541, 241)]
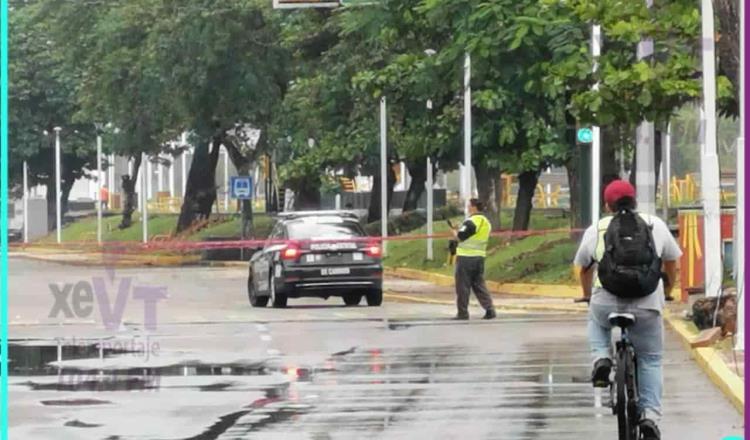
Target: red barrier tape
[(188, 246)]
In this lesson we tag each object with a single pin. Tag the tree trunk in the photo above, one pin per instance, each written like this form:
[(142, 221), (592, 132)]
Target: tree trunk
[(657, 163), (527, 182), (574, 187), (243, 164), (488, 187), (128, 191), (728, 46), (200, 193), (51, 207), (418, 173), (373, 213), (497, 184)]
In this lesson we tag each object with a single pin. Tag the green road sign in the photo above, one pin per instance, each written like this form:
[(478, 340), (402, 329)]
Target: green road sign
[(585, 135)]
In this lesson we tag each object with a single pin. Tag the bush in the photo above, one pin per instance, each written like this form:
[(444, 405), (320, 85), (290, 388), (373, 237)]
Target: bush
[(404, 223), (448, 211)]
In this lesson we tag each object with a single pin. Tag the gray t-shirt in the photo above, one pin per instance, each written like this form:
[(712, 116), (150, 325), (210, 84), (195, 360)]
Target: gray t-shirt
[(666, 247)]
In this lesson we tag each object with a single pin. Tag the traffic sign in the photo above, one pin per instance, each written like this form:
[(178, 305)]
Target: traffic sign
[(585, 135), (241, 187)]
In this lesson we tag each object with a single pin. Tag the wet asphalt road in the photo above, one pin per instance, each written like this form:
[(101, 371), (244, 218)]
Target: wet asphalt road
[(213, 368)]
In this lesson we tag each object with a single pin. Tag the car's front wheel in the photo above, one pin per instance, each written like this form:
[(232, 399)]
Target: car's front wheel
[(374, 297), (255, 300)]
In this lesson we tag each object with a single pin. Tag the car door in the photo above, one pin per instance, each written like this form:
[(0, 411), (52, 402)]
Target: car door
[(263, 266)]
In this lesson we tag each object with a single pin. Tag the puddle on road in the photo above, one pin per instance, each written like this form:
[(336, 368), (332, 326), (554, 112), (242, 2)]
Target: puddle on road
[(35, 361)]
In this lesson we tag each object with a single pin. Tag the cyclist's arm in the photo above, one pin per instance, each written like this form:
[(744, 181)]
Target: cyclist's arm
[(587, 280), (670, 253), (670, 270), (585, 259)]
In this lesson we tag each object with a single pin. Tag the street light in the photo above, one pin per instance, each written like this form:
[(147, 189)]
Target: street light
[(383, 175), (596, 48), (430, 190), (466, 178), (58, 177), (99, 127)]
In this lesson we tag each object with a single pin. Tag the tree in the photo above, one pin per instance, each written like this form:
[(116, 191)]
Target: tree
[(729, 49), (156, 68), (239, 80), (120, 81), (42, 95)]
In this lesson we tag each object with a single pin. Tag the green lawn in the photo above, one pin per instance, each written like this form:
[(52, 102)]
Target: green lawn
[(261, 222), (158, 224), (535, 259)]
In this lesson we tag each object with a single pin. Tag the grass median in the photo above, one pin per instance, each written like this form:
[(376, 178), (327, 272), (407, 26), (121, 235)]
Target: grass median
[(538, 259)]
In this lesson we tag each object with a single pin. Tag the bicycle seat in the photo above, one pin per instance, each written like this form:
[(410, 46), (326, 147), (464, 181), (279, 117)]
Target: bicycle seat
[(622, 320)]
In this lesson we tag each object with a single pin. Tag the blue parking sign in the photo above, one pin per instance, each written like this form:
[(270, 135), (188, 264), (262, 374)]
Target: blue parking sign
[(241, 187)]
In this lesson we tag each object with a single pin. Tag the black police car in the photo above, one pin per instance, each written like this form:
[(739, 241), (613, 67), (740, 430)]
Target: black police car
[(317, 254)]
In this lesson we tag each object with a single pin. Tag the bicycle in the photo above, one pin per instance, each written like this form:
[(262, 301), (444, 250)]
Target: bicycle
[(624, 389)]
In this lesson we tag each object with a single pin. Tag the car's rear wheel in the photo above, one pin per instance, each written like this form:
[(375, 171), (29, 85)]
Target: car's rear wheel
[(255, 300), (352, 299), (374, 297), (279, 299)]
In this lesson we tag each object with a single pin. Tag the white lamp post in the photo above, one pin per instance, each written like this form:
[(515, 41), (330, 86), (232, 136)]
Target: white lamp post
[(466, 177), (25, 202), (596, 162), (710, 186), (383, 175), (58, 190), (98, 185), (739, 240)]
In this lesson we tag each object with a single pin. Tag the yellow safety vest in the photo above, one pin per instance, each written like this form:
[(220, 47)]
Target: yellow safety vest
[(476, 245), (602, 229)]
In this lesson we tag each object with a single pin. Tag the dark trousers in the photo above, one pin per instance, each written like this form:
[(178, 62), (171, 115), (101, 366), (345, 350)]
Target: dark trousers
[(470, 275)]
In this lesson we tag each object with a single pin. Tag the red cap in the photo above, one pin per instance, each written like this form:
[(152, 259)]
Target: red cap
[(617, 190)]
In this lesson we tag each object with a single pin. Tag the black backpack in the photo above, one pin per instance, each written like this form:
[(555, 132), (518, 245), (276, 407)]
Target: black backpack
[(630, 267)]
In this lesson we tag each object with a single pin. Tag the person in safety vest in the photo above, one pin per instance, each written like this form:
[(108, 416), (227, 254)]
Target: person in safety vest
[(626, 259), (472, 249)]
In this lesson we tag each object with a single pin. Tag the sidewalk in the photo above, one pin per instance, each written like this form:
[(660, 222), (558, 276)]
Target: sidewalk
[(411, 290)]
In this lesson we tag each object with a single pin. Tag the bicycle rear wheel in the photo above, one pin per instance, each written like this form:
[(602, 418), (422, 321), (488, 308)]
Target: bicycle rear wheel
[(621, 407), (631, 387)]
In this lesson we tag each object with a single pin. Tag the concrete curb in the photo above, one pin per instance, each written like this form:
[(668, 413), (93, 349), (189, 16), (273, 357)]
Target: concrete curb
[(713, 365), (515, 308), (536, 290), (74, 259)]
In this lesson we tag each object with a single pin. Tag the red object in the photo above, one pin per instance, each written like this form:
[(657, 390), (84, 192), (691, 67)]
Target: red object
[(291, 252), (373, 250), (692, 275), (617, 190), (103, 194)]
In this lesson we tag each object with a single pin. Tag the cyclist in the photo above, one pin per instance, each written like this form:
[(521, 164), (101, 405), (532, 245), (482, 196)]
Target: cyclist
[(647, 333)]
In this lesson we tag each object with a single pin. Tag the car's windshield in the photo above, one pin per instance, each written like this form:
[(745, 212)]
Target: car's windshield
[(310, 230)]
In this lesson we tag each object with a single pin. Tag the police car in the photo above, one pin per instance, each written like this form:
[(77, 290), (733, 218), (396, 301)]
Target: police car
[(317, 254)]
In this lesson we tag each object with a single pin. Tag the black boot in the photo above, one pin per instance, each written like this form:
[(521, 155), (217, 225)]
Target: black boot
[(649, 430), (600, 375), (490, 314)]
